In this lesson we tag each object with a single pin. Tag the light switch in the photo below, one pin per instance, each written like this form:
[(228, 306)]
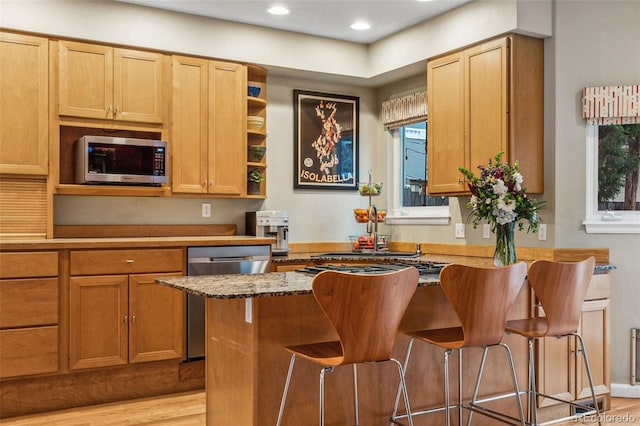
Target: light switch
[(459, 230)]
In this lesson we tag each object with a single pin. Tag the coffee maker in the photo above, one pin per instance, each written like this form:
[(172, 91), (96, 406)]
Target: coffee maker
[(270, 223)]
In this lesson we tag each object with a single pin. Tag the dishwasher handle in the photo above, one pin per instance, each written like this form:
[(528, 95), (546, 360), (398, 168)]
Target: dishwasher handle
[(227, 259)]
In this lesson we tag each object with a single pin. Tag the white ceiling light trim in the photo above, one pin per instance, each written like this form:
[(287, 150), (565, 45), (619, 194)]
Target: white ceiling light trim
[(360, 26), (278, 10)]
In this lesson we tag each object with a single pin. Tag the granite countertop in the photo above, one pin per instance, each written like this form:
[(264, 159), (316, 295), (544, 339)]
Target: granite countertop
[(241, 286)]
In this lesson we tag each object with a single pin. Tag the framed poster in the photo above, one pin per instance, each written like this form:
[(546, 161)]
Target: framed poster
[(326, 140)]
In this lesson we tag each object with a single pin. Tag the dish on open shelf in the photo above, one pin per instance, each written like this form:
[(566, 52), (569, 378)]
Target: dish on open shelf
[(255, 153)]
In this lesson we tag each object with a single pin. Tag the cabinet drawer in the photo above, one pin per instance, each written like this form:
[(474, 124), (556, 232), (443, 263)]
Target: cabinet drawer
[(28, 264), (92, 262), (599, 287), (28, 351), (28, 302)]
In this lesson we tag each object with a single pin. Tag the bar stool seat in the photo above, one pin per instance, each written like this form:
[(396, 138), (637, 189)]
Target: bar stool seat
[(560, 288), (481, 298), (365, 310)]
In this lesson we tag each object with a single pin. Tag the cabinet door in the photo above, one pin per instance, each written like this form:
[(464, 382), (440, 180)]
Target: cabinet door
[(227, 129), (85, 80), (486, 112), (98, 321), (189, 128), (24, 104), (138, 85), (446, 146), (561, 371), (156, 319), (594, 328)]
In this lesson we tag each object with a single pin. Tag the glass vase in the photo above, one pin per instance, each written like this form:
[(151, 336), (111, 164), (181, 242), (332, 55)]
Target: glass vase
[(505, 253)]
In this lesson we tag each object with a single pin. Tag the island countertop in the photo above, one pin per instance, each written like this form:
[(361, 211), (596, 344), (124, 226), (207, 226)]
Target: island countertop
[(241, 286)]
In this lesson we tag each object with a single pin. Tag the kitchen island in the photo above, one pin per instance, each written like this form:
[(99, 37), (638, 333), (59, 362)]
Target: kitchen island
[(249, 318)]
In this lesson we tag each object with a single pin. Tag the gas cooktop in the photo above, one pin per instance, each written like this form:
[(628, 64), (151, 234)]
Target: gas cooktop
[(424, 268)]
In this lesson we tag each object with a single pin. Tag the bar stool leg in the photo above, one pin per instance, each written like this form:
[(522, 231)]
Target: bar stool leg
[(403, 384), (355, 395), (286, 389), (588, 368), (447, 416), (460, 410), (532, 398), (394, 413), (515, 382), (321, 397), (476, 388)]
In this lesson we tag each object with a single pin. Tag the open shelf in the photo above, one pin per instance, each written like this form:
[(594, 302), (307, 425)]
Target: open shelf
[(115, 190)]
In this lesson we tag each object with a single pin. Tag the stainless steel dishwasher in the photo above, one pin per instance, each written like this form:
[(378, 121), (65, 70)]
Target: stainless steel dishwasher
[(217, 261)]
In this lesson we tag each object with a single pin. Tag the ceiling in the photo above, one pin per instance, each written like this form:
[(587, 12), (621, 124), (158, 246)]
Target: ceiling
[(325, 18)]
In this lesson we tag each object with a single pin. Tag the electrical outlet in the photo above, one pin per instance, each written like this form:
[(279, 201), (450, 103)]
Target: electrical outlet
[(206, 210), (459, 230), (542, 232), (486, 231)]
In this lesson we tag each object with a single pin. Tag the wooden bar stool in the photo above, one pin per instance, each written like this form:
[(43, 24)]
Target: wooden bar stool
[(560, 287), (366, 310), (481, 298)]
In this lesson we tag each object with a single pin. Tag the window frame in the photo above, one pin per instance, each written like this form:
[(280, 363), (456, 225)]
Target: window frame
[(397, 214), (597, 221)]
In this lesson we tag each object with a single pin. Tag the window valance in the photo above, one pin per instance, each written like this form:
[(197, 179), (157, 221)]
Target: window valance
[(611, 104), (405, 110)]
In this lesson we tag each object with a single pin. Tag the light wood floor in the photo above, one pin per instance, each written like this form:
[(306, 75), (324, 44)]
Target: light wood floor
[(188, 409)]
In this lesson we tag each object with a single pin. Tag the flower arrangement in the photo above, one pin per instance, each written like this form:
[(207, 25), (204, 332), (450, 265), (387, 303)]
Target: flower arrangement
[(499, 197)]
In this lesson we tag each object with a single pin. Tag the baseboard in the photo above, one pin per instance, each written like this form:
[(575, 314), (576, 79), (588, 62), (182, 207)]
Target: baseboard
[(621, 390)]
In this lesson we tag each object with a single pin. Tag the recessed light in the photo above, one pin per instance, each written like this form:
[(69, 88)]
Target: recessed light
[(278, 10), (360, 25)]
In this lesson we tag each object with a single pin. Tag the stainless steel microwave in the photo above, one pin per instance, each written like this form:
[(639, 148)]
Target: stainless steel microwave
[(128, 161)]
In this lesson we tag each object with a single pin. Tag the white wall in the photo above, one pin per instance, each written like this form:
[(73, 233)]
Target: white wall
[(595, 43)]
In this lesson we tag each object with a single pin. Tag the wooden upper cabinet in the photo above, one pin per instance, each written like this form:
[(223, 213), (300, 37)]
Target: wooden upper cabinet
[(482, 100), (24, 104), (189, 128), (446, 136), (227, 129), (208, 127), (102, 82)]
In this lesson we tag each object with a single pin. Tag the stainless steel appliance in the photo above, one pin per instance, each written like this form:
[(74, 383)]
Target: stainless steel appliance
[(130, 161), (217, 261), (270, 223)]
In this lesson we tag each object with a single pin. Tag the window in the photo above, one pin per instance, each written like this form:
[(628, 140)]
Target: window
[(410, 203), (613, 170)]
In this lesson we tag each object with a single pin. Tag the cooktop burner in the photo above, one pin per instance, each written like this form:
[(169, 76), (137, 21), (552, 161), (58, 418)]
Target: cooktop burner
[(424, 268)]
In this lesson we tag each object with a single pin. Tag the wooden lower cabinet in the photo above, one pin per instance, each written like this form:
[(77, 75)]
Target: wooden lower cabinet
[(561, 370), (120, 319), (29, 319)]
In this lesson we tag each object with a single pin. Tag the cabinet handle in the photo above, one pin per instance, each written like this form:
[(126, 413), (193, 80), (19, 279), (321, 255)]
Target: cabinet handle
[(133, 318), (126, 318), (460, 181), (130, 261), (117, 109)]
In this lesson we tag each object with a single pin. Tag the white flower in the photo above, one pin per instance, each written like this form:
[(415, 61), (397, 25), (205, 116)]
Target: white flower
[(473, 201), (499, 188), (517, 177)]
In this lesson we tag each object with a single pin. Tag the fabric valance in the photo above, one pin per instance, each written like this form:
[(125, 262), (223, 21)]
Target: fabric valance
[(405, 110), (611, 104)]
